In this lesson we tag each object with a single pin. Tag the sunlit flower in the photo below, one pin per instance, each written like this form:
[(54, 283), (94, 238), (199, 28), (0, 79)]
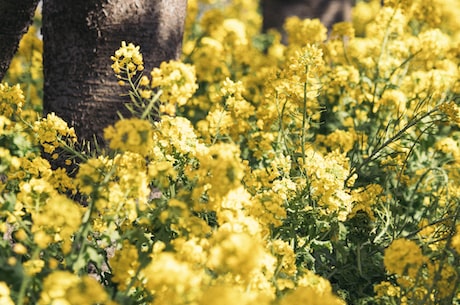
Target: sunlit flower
[(51, 130), (134, 135), (125, 265), (404, 257), (5, 294), (127, 60), (62, 287), (59, 218), (177, 82), (11, 100)]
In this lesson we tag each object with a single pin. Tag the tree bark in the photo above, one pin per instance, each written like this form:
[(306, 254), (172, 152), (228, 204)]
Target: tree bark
[(328, 11), (80, 36), (15, 18)]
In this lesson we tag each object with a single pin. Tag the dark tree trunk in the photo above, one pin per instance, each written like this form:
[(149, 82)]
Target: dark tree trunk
[(15, 18), (328, 11), (79, 38)]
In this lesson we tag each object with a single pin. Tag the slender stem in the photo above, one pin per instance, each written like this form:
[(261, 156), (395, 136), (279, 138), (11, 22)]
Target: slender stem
[(304, 115), (397, 136), (26, 280), (151, 105), (358, 258)]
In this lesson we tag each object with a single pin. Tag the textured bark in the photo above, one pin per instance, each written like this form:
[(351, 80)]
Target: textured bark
[(15, 18), (328, 11), (79, 38)]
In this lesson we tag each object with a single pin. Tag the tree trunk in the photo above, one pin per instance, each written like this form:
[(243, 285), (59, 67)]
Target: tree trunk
[(15, 18), (79, 38), (328, 11)]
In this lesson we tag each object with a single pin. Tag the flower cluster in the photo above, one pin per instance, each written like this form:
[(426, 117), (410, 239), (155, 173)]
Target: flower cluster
[(52, 132), (11, 100), (177, 82), (171, 85), (127, 61), (133, 135), (26, 66)]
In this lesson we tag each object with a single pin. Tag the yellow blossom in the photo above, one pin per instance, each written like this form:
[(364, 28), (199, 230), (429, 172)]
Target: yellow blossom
[(456, 239), (127, 60), (452, 111), (33, 266), (91, 173), (59, 218), (301, 32), (311, 296), (220, 171), (229, 295), (134, 135), (63, 287), (386, 289), (51, 130), (124, 265), (172, 281), (177, 82), (404, 257), (11, 100), (19, 249), (234, 253), (5, 298)]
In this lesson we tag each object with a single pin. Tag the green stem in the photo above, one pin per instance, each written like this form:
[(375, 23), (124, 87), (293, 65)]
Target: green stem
[(26, 280), (392, 139), (304, 115), (358, 258), (151, 105)]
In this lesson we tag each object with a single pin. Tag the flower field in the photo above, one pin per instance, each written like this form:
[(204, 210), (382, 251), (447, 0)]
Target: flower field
[(323, 171)]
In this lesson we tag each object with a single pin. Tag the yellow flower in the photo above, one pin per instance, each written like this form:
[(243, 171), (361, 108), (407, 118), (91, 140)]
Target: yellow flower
[(20, 235), (404, 257), (230, 295), (220, 171), (340, 140), (234, 252), (446, 275), (452, 111), (307, 62), (447, 145), (51, 130), (327, 176), (124, 265), (209, 61), (309, 295), (5, 298), (33, 195), (285, 256), (59, 218), (11, 100), (127, 60), (33, 266), (343, 30), (176, 135), (63, 287), (91, 173), (177, 82), (365, 198), (386, 289), (306, 31), (19, 249), (456, 239), (172, 281), (235, 31), (134, 135)]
